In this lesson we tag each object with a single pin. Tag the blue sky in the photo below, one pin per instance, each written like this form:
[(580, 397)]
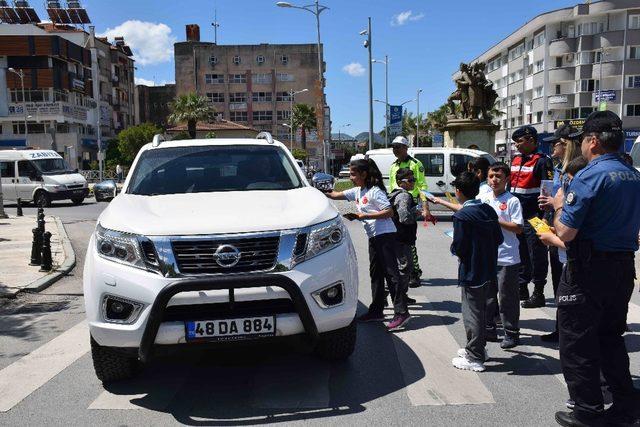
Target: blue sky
[(425, 40)]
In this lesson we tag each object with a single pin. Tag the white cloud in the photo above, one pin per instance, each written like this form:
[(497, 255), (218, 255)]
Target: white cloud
[(403, 17), (151, 43), (355, 69), (142, 81)]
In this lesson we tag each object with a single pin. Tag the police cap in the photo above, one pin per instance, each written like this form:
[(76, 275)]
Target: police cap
[(565, 131), (524, 131), (600, 121)]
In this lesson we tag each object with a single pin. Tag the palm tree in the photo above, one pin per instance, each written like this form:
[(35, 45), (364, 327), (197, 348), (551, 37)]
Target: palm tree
[(191, 108), (438, 119), (304, 118)]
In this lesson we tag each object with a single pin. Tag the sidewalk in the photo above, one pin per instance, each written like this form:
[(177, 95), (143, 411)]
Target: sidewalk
[(15, 252)]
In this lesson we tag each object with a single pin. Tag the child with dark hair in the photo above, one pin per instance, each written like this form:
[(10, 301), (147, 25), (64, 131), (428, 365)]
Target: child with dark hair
[(480, 166), (503, 295), (476, 237), (375, 212)]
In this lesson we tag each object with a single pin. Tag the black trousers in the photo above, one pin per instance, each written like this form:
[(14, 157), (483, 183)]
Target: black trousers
[(556, 273), (383, 263), (593, 299), (534, 264)]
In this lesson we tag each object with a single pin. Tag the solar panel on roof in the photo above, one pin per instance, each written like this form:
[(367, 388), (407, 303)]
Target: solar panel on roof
[(59, 16), (26, 14), (8, 15)]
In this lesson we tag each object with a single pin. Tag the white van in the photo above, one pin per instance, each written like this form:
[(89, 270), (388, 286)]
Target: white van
[(441, 165), (40, 176)]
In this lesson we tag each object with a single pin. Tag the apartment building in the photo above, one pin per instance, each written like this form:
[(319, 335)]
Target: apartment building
[(564, 64), (73, 82), (251, 84), (154, 104)]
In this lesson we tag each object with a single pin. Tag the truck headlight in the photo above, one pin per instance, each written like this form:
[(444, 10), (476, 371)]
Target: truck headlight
[(318, 239), (124, 248), (60, 187)]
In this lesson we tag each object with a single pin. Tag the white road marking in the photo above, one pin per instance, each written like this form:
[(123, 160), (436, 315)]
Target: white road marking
[(26, 375), (425, 355)]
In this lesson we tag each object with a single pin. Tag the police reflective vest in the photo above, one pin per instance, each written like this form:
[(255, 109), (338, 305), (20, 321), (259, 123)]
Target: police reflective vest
[(527, 172), (418, 173)]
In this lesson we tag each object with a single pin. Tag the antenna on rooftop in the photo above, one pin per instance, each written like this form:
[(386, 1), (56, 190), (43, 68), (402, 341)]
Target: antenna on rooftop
[(215, 24)]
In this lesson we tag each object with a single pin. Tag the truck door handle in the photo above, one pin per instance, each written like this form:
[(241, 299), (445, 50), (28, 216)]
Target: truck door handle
[(440, 183)]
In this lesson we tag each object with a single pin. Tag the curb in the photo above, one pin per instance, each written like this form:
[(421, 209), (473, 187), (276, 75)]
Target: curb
[(67, 265)]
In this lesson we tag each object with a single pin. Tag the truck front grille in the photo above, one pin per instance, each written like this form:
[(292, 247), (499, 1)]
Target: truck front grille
[(198, 256)]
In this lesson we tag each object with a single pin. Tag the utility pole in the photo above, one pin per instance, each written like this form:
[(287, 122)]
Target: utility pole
[(367, 45), (418, 118)]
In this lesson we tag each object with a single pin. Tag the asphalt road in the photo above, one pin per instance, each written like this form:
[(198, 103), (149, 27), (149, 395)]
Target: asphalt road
[(392, 379)]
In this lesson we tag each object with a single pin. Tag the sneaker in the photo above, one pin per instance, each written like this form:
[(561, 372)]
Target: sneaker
[(371, 317), (411, 300), (463, 353), (536, 300), (467, 365), (509, 342), (524, 292), (398, 322), (552, 337)]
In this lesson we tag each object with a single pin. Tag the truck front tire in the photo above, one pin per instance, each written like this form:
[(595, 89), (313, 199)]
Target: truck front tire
[(337, 345), (112, 365)]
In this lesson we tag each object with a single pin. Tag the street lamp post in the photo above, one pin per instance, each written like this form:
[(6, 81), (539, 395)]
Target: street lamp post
[(291, 95), (386, 91), (603, 52), (367, 45), (388, 106), (20, 74), (418, 117), (316, 8)]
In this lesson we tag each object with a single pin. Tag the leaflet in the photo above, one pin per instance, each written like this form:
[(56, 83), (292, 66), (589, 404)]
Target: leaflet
[(539, 225)]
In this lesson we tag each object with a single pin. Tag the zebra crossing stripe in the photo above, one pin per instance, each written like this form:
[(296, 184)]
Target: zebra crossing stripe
[(26, 375)]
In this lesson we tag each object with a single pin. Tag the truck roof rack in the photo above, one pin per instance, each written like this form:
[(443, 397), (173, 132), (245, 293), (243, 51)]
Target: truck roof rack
[(265, 135), (157, 140)]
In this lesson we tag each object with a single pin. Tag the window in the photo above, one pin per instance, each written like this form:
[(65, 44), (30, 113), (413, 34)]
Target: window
[(8, 169), (260, 59), (237, 78), (458, 163), (634, 52), (633, 82), (633, 110), (433, 164), (213, 60), (261, 78), (26, 169), (587, 58), (262, 116), (238, 116), (582, 112), (18, 128), (284, 59), (284, 77), (588, 85), (529, 68), (538, 66), (284, 115), (538, 116), (261, 97), (215, 97), (589, 28), (516, 52), (537, 92), (283, 96), (634, 22), (538, 39), (237, 60), (494, 64), (238, 97), (558, 89), (213, 78)]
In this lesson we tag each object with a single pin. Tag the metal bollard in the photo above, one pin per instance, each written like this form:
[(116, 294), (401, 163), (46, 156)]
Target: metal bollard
[(19, 212), (41, 223), (36, 247), (45, 264)]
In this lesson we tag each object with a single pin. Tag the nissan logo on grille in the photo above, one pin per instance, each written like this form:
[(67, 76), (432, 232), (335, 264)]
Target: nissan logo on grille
[(226, 256)]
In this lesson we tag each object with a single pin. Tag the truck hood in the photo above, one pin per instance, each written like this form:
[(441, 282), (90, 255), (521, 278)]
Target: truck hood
[(64, 179), (216, 213)]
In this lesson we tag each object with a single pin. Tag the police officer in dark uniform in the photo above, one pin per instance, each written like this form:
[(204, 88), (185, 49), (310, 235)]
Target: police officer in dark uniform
[(598, 217)]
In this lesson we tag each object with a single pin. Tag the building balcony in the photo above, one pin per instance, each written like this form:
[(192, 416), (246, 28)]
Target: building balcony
[(613, 68), (561, 47), (584, 71), (608, 39), (564, 74)]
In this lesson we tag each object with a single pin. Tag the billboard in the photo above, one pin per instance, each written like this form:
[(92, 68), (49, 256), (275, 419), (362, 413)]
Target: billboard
[(395, 120)]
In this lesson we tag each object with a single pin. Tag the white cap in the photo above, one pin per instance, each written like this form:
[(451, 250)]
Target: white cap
[(400, 140)]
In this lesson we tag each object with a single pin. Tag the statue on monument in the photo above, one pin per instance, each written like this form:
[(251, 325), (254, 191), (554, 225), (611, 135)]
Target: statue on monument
[(474, 92)]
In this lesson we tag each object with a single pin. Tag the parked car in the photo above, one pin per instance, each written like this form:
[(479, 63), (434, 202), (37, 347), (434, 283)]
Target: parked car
[(217, 240), (40, 176), (344, 172), (105, 190), (441, 165)]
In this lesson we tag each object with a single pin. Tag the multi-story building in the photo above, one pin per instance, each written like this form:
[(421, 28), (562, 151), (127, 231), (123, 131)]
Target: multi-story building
[(251, 84), (73, 83), (564, 64), (154, 104)]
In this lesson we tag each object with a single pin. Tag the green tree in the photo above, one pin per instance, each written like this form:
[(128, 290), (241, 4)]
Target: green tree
[(191, 109), (113, 156), (210, 135), (438, 119), (304, 118), (132, 139), (180, 135), (300, 154)]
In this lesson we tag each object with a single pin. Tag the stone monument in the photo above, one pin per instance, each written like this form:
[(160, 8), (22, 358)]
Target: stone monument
[(469, 120)]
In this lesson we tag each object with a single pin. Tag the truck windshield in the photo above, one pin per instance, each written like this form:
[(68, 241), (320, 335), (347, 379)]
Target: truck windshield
[(52, 166), (180, 170)]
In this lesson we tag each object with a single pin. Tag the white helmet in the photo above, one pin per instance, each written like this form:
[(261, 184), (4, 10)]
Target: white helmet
[(400, 140)]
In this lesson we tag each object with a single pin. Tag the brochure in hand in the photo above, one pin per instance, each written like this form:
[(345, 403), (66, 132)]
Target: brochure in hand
[(539, 225)]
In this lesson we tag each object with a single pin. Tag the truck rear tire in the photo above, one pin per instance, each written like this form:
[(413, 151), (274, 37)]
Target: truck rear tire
[(77, 200), (112, 365), (337, 345)]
